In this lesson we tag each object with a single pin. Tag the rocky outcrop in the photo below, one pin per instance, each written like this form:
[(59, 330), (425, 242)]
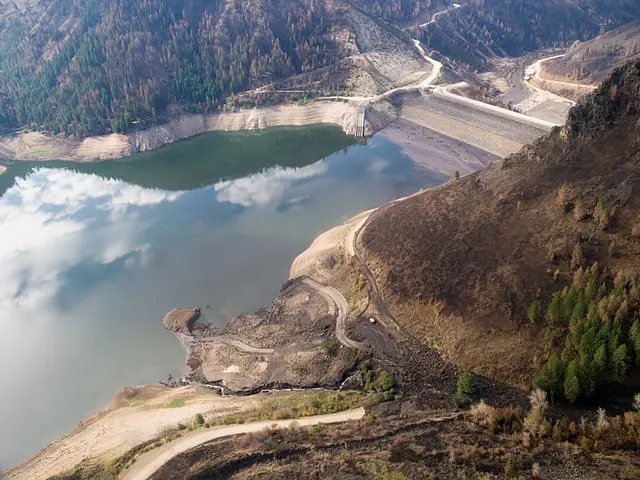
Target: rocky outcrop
[(180, 320)]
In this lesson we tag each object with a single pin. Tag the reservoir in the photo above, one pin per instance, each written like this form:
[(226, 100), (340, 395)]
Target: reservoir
[(93, 255)]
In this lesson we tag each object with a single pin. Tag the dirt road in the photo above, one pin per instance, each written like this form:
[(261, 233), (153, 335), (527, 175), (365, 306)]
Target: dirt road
[(386, 317), (338, 306), (151, 461), (335, 298), (127, 422), (435, 16), (534, 69)]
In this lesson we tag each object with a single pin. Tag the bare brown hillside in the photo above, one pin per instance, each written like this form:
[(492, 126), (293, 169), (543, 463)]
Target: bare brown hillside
[(593, 61), (459, 265)]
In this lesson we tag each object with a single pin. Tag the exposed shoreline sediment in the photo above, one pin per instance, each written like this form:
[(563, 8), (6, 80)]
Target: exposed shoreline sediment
[(36, 146)]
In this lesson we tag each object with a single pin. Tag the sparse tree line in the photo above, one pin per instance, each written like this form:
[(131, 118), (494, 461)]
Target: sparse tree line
[(402, 10)]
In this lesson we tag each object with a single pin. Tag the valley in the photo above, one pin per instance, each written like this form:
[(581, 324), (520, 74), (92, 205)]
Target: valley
[(445, 192)]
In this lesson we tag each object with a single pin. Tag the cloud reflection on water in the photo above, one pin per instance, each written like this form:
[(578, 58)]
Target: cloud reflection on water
[(265, 187), (54, 219)]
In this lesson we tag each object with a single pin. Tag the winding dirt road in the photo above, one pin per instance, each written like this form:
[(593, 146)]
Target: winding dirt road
[(151, 461), (335, 298), (338, 306), (435, 16), (534, 70)]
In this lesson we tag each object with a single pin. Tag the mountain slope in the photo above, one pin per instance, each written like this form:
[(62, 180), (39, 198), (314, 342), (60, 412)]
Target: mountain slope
[(483, 29), (88, 67), (593, 61), (460, 265), (91, 67)]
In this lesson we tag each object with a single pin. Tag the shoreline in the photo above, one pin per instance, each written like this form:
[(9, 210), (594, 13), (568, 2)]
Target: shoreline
[(37, 146)]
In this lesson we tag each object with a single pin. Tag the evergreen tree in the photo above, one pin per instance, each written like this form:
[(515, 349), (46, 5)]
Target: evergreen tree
[(571, 383), (619, 362), (551, 377)]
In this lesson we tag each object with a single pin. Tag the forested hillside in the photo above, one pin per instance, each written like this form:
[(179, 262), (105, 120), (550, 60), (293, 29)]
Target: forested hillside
[(401, 10), (85, 67), (484, 28)]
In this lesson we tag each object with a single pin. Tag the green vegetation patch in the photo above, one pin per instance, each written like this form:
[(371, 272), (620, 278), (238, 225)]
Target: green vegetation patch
[(177, 403), (593, 334), (295, 406)]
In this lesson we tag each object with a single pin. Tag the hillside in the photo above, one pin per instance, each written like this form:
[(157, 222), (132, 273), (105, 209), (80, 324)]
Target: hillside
[(593, 61), (83, 68), (483, 29), (92, 67), (532, 262)]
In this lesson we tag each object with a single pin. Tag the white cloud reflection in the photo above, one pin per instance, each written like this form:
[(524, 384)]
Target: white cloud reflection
[(265, 187), (54, 219)]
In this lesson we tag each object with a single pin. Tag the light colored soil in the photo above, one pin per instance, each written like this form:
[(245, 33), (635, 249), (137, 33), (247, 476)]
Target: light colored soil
[(551, 110), (133, 417), (436, 151), (108, 146), (547, 92), (527, 96), (470, 134), (381, 61), (335, 241)]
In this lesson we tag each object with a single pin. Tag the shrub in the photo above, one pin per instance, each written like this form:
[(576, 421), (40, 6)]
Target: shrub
[(483, 414), (565, 197), (462, 400), (378, 380), (636, 402), (198, 420), (283, 414), (534, 423), (603, 216), (466, 383), (578, 258), (329, 347), (579, 210)]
